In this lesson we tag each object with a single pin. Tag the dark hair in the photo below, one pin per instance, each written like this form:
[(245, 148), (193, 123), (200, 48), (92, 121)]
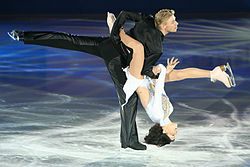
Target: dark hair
[(157, 137)]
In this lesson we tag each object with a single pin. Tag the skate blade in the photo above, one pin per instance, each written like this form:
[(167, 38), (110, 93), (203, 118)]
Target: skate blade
[(11, 36), (231, 80)]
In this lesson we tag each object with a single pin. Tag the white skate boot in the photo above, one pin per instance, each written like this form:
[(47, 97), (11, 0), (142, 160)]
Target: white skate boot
[(218, 73), (110, 20)]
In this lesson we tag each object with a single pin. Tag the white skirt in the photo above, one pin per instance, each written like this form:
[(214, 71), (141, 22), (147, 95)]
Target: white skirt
[(130, 85)]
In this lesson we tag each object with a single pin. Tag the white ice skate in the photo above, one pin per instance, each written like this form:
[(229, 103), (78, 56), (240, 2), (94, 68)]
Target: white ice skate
[(16, 35), (13, 35), (232, 80), (218, 73), (110, 20)]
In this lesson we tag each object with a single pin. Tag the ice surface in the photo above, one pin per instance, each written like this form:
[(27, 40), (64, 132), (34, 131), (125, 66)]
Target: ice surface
[(58, 108), (50, 132)]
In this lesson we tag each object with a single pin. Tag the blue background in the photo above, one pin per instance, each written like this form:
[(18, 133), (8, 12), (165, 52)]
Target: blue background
[(148, 6)]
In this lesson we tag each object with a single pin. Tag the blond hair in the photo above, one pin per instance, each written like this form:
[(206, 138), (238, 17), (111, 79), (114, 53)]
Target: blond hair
[(163, 15)]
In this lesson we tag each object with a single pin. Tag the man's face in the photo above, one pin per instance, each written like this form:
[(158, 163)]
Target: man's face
[(171, 24), (172, 130)]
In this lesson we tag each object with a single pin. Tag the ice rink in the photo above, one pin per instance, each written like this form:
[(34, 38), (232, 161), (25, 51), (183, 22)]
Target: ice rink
[(59, 108)]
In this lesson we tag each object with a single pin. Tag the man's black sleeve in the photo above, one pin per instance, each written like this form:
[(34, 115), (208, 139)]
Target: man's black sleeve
[(122, 17), (149, 64)]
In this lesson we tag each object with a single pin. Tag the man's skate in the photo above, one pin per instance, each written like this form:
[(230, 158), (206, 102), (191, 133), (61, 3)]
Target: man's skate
[(16, 35)]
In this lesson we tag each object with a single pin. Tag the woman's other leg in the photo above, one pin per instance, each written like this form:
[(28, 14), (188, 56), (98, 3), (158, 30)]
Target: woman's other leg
[(136, 64)]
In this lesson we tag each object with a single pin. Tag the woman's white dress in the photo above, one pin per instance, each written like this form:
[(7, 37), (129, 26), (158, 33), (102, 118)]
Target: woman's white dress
[(159, 107)]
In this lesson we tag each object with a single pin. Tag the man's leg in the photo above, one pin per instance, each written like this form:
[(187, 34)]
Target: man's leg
[(105, 50), (128, 134), (61, 40)]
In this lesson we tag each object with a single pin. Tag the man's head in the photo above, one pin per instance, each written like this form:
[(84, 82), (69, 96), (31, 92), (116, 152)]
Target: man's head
[(157, 137), (165, 21)]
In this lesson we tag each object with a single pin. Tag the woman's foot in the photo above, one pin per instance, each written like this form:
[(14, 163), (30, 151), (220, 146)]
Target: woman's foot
[(110, 21), (218, 73)]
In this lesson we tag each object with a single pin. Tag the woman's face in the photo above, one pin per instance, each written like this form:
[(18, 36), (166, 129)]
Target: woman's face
[(171, 130)]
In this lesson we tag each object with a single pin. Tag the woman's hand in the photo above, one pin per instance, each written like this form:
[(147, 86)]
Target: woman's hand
[(171, 64)]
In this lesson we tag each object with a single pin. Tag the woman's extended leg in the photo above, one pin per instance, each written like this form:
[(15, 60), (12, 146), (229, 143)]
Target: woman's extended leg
[(218, 73), (177, 75), (136, 64)]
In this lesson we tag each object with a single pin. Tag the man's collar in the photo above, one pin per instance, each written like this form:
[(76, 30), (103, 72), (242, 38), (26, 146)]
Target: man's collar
[(162, 35)]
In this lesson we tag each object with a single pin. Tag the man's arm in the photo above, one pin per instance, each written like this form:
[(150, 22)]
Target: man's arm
[(122, 17), (152, 39), (155, 46), (149, 62)]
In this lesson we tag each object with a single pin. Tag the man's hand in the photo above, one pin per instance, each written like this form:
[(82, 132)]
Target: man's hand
[(156, 70), (171, 64)]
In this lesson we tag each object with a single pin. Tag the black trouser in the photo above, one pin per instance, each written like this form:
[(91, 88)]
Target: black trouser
[(104, 48)]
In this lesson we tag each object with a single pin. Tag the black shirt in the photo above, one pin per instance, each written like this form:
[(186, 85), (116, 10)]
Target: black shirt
[(145, 32)]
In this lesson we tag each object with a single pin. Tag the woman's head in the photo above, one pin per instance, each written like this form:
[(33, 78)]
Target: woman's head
[(157, 137), (170, 130)]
